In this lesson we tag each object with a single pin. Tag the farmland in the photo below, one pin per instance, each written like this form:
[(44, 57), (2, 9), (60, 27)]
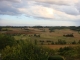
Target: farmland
[(43, 36)]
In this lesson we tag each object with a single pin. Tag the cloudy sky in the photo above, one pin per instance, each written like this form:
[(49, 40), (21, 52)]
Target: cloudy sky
[(40, 12)]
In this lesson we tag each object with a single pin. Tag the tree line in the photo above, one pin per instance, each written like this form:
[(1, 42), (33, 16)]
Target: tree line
[(59, 42)]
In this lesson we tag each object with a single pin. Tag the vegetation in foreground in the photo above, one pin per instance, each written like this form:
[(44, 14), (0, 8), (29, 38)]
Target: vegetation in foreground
[(11, 49)]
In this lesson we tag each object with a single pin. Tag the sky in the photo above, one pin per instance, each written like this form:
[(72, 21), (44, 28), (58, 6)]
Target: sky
[(40, 12)]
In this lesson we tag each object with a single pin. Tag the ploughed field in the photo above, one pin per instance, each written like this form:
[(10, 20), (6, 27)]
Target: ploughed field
[(43, 37)]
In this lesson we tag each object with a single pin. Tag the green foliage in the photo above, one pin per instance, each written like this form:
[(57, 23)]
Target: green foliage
[(69, 35), (70, 53), (42, 41), (74, 42), (25, 51), (37, 35), (51, 29), (55, 58), (52, 43), (61, 42), (6, 40)]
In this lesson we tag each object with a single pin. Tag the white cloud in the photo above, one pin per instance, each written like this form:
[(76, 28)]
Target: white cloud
[(38, 11)]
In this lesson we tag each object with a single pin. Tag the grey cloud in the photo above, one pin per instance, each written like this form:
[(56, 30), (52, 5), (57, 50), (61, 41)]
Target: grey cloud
[(12, 0), (57, 2), (7, 9), (78, 6), (70, 10)]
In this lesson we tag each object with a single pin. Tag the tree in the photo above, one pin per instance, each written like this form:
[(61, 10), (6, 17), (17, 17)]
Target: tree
[(34, 34), (52, 43), (41, 42), (61, 41), (48, 41), (38, 35), (74, 42)]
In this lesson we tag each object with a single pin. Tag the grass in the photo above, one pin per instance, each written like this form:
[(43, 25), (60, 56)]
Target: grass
[(53, 36)]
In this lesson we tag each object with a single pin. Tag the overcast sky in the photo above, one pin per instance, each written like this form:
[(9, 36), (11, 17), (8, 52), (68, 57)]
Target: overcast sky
[(40, 12)]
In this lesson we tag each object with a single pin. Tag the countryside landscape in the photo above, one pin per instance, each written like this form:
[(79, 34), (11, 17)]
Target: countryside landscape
[(61, 42), (39, 29)]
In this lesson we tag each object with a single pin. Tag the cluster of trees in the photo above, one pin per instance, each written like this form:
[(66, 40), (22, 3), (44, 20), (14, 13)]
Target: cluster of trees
[(75, 28), (36, 35), (51, 30), (37, 27), (68, 35), (62, 42), (59, 42)]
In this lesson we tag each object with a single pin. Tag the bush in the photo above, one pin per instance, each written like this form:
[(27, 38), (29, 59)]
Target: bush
[(74, 42), (6, 40), (61, 42), (55, 58), (24, 51)]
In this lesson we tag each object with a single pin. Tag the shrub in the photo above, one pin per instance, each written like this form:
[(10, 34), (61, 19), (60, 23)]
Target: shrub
[(74, 42), (55, 58), (24, 51), (6, 40)]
